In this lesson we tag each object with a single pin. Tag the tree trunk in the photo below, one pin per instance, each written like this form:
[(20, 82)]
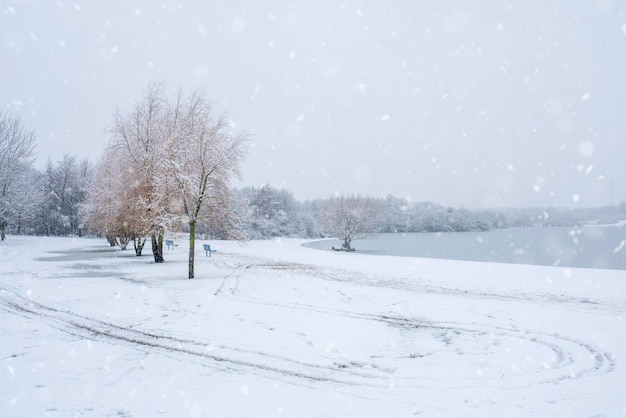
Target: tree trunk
[(138, 242), (157, 244), (123, 242), (2, 234), (192, 246), (112, 240)]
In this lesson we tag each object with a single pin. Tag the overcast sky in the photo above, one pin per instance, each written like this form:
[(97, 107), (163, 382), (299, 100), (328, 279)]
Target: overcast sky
[(464, 103)]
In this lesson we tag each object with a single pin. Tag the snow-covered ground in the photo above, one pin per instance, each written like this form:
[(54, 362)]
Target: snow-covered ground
[(272, 329)]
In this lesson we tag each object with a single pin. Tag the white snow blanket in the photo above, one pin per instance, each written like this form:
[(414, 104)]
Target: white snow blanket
[(272, 329)]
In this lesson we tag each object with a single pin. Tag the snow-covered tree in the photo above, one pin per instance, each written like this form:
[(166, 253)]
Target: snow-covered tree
[(225, 221), (17, 178), (26, 203), (396, 215), (99, 208), (138, 138), (350, 218), (64, 187), (108, 207), (203, 156), (168, 162), (308, 218), (272, 213), (125, 201)]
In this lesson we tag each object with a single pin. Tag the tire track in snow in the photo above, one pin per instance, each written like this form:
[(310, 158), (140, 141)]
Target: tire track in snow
[(582, 358), (232, 358), (574, 359), (235, 272)]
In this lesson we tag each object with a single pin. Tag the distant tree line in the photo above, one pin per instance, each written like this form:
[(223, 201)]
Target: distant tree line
[(136, 190), (272, 212), (268, 212)]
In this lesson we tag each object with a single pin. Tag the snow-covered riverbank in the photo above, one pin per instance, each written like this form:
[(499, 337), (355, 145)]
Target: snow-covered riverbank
[(274, 329)]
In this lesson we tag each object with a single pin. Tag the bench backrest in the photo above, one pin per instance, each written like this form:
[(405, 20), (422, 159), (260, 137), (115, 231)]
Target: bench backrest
[(206, 247)]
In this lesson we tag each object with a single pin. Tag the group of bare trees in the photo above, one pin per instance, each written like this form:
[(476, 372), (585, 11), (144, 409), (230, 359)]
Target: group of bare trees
[(17, 179), (170, 162), (32, 201)]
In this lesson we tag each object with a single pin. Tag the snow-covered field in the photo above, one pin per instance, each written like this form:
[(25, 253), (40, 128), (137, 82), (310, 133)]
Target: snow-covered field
[(272, 329)]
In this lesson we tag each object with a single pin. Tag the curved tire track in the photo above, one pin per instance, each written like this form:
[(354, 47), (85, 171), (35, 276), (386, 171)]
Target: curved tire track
[(228, 358), (574, 358)]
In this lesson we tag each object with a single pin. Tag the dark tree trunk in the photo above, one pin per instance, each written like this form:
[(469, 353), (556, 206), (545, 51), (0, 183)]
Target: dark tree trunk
[(157, 244), (138, 242), (123, 241), (192, 246), (112, 240)]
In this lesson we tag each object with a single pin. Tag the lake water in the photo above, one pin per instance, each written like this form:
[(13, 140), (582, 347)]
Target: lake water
[(587, 246)]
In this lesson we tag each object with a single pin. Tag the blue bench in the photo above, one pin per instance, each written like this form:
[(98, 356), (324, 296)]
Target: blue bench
[(170, 244), (208, 250)]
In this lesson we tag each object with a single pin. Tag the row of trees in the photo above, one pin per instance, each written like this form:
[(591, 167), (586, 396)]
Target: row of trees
[(168, 168), (272, 212), (169, 163)]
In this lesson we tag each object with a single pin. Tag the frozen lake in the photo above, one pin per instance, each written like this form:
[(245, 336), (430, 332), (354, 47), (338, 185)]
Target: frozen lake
[(587, 246)]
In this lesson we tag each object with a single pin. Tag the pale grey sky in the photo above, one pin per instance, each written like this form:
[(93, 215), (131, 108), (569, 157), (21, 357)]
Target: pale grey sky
[(464, 103)]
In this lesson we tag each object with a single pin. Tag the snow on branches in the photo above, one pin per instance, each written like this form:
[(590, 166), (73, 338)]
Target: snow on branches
[(17, 184), (349, 218), (170, 162)]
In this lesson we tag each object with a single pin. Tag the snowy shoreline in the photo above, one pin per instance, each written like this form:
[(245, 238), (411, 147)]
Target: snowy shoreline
[(578, 247), (272, 328)]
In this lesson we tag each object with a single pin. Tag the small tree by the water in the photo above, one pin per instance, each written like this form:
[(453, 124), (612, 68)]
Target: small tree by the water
[(350, 218)]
